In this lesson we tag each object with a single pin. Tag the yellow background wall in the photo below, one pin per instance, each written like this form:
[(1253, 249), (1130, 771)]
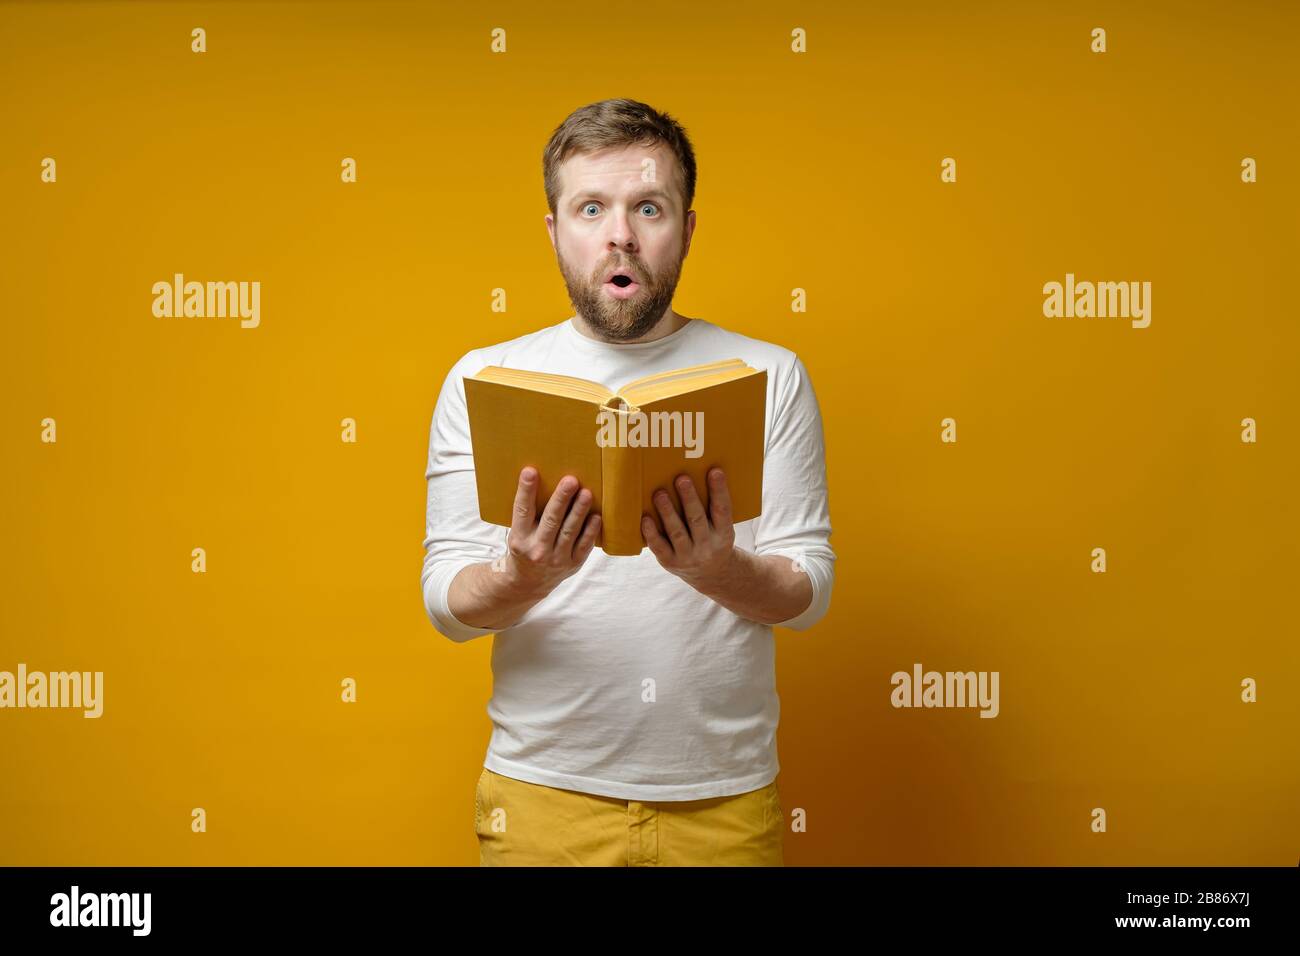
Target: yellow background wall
[(818, 171)]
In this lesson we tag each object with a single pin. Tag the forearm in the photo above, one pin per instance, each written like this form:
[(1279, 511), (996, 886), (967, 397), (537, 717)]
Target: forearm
[(481, 596), (763, 588)]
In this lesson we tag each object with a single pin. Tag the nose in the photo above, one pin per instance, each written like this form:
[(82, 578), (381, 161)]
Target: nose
[(621, 238)]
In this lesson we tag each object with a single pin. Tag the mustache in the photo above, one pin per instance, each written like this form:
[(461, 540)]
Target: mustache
[(633, 269)]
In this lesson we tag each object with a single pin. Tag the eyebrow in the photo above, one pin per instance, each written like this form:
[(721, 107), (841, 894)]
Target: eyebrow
[(649, 194)]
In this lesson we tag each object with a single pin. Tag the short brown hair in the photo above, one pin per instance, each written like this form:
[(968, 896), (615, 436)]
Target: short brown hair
[(616, 123)]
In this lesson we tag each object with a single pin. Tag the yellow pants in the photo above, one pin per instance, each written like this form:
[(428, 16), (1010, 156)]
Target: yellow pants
[(527, 824)]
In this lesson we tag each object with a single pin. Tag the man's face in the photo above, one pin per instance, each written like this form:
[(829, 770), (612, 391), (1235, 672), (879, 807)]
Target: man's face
[(611, 218)]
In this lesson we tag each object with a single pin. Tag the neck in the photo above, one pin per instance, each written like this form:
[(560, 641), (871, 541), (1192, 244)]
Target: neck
[(668, 323)]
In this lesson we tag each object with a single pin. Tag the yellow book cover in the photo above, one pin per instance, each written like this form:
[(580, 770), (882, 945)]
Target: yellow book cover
[(621, 445)]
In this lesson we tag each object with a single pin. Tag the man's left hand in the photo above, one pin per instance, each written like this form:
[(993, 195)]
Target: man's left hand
[(701, 550)]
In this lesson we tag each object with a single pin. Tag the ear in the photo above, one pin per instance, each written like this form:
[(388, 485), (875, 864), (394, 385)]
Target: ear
[(690, 231), (550, 228)]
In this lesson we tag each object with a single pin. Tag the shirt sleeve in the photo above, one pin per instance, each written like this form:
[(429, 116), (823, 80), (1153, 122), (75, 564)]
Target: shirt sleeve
[(796, 513), (454, 534)]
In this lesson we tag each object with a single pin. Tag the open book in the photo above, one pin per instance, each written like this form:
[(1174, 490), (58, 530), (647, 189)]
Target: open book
[(621, 445)]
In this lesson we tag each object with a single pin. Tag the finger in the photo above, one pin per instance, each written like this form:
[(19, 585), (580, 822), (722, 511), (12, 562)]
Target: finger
[(555, 510), (587, 540), (719, 499), (573, 523), (521, 518), (696, 519), (657, 543), (673, 526)]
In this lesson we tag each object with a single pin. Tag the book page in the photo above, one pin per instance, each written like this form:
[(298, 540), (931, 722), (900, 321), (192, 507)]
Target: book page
[(549, 383)]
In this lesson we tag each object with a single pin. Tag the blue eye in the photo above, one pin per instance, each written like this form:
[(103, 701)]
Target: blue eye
[(654, 209)]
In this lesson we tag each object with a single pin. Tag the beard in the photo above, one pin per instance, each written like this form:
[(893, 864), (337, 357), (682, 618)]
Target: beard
[(622, 320)]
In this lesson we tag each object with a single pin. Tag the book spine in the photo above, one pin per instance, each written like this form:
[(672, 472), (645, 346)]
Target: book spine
[(620, 487)]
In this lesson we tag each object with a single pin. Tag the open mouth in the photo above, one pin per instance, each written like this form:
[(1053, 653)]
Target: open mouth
[(620, 285)]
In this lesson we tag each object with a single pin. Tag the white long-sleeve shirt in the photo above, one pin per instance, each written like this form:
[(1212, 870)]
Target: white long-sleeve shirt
[(625, 681)]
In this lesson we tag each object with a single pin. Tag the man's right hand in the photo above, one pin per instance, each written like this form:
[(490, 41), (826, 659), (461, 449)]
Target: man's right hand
[(542, 552)]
